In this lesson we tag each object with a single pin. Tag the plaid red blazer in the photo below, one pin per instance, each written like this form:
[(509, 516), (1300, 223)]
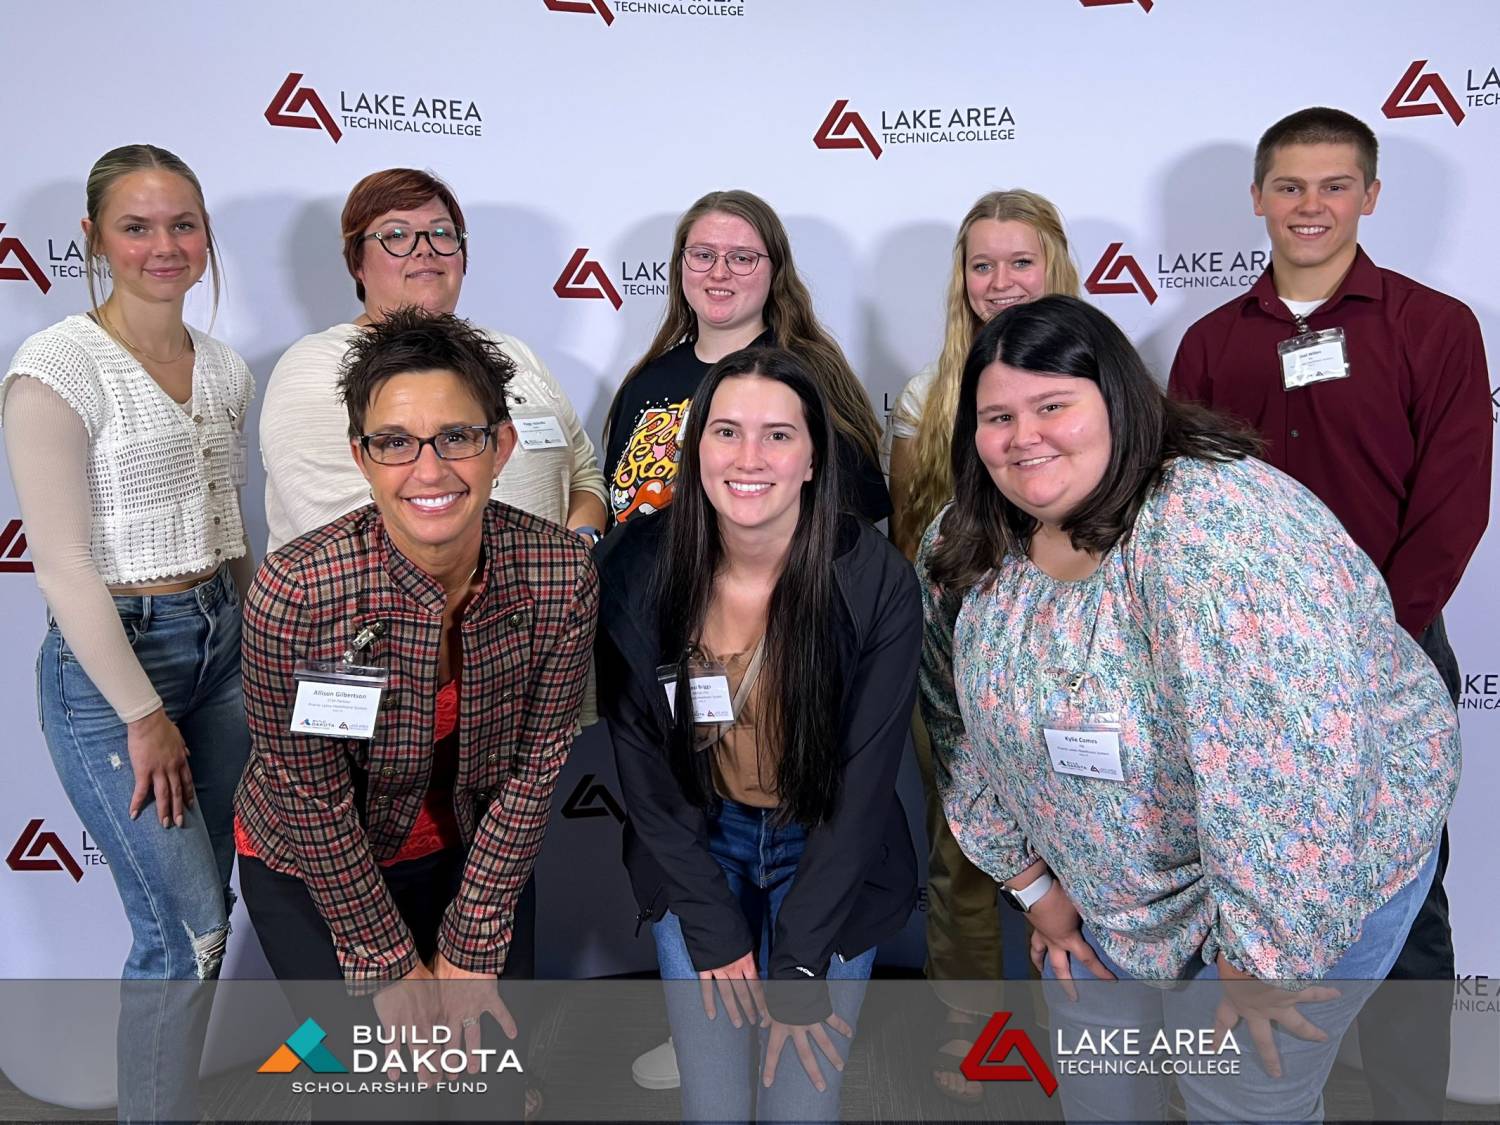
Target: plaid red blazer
[(326, 810)]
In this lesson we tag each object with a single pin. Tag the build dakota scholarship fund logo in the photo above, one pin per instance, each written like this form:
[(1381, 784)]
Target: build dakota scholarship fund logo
[(427, 1056)]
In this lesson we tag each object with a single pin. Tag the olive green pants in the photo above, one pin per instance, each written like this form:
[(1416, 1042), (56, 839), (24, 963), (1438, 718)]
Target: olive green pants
[(964, 960)]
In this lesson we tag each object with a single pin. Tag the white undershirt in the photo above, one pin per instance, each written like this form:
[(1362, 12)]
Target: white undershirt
[(1304, 309)]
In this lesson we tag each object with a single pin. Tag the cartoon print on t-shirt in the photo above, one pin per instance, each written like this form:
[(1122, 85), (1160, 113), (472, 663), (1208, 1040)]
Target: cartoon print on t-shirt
[(644, 473)]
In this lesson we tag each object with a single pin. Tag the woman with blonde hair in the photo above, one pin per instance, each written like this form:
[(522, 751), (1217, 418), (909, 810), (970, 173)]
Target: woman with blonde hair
[(1010, 249), (124, 428), (732, 283)]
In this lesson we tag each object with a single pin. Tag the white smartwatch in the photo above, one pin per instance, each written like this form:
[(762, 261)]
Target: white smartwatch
[(1031, 894)]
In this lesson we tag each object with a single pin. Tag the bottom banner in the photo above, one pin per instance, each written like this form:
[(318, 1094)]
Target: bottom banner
[(743, 1049)]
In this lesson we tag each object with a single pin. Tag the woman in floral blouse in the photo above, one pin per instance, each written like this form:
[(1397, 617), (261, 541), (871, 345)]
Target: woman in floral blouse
[(1173, 714)]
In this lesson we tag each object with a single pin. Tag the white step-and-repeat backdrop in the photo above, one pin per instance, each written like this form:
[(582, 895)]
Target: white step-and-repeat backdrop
[(575, 131)]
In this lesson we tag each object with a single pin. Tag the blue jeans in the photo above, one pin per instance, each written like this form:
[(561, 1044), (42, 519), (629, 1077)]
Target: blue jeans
[(715, 1058), (1251, 1095), (174, 882)]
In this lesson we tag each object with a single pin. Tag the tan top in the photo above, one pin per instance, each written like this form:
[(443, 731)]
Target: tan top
[(744, 771)]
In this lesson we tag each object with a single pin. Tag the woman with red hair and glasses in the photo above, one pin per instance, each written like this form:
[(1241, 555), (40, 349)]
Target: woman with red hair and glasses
[(406, 246)]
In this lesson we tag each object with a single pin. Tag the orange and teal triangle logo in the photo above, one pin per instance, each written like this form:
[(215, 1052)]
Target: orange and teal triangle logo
[(304, 1047)]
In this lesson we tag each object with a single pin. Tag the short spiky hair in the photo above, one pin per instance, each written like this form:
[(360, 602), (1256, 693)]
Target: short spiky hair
[(1318, 125), (412, 339)]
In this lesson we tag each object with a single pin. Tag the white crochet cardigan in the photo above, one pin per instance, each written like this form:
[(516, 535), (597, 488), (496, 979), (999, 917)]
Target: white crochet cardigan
[(160, 474)]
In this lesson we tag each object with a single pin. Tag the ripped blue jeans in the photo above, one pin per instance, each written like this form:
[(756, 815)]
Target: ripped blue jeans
[(173, 882)]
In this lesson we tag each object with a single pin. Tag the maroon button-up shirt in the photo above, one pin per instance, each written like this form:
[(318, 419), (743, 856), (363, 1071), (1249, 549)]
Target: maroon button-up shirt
[(1400, 451)]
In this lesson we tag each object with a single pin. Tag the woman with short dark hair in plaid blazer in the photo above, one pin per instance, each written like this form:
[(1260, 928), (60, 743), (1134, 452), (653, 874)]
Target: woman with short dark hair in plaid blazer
[(402, 856)]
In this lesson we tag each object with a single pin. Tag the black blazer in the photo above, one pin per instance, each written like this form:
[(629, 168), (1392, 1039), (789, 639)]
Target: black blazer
[(856, 881)]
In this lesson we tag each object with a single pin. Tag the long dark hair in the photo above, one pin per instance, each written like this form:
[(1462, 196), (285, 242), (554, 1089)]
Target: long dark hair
[(1065, 336), (800, 676)]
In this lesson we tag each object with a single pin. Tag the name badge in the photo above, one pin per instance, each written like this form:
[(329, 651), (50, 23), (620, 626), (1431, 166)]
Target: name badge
[(1313, 357), (239, 458), (1085, 753), (1082, 731), (708, 687), (337, 700), (543, 431)]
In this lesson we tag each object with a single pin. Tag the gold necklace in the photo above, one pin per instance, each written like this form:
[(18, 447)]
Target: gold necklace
[(113, 330)]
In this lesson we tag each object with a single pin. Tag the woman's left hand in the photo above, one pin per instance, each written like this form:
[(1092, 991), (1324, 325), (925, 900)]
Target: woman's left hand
[(464, 997), (1260, 1004), (803, 1036), (1057, 936)]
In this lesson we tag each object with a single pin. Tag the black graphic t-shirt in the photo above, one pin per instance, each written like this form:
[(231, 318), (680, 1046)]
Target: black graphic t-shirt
[(647, 426)]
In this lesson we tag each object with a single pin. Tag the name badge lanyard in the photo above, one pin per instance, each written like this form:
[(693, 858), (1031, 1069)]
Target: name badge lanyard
[(1312, 357), (1080, 725), (239, 450), (742, 693), (341, 698), (708, 688)]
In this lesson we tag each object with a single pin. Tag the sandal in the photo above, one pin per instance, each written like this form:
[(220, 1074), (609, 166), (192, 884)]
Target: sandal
[(536, 1099), (953, 1038)]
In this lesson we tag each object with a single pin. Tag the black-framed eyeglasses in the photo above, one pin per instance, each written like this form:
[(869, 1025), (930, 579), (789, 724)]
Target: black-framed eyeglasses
[(458, 444), (399, 242), (701, 259)]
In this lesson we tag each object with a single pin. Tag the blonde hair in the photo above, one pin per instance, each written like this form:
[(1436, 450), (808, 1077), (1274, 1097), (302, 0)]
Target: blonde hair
[(122, 161), (931, 484), (788, 313)]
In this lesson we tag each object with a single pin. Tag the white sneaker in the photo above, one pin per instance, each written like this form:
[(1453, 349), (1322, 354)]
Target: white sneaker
[(657, 1069)]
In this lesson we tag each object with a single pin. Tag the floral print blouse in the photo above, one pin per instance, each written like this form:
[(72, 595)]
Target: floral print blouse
[(1289, 753)]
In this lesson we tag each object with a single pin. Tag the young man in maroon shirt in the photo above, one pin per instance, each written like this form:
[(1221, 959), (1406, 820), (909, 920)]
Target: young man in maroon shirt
[(1372, 391)]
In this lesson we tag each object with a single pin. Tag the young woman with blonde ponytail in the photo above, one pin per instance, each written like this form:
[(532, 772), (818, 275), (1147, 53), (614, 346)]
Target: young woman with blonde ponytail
[(1010, 249)]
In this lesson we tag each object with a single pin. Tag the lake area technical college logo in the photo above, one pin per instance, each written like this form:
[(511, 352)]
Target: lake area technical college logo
[(1481, 692), (584, 278), (606, 9), (299, 106), (1105, 278), (1117, 272), (13, 248), (589, 799), (39, 850), (1410, 96), (843, 127), (985, 1061), (576, 276), (13, 558)]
